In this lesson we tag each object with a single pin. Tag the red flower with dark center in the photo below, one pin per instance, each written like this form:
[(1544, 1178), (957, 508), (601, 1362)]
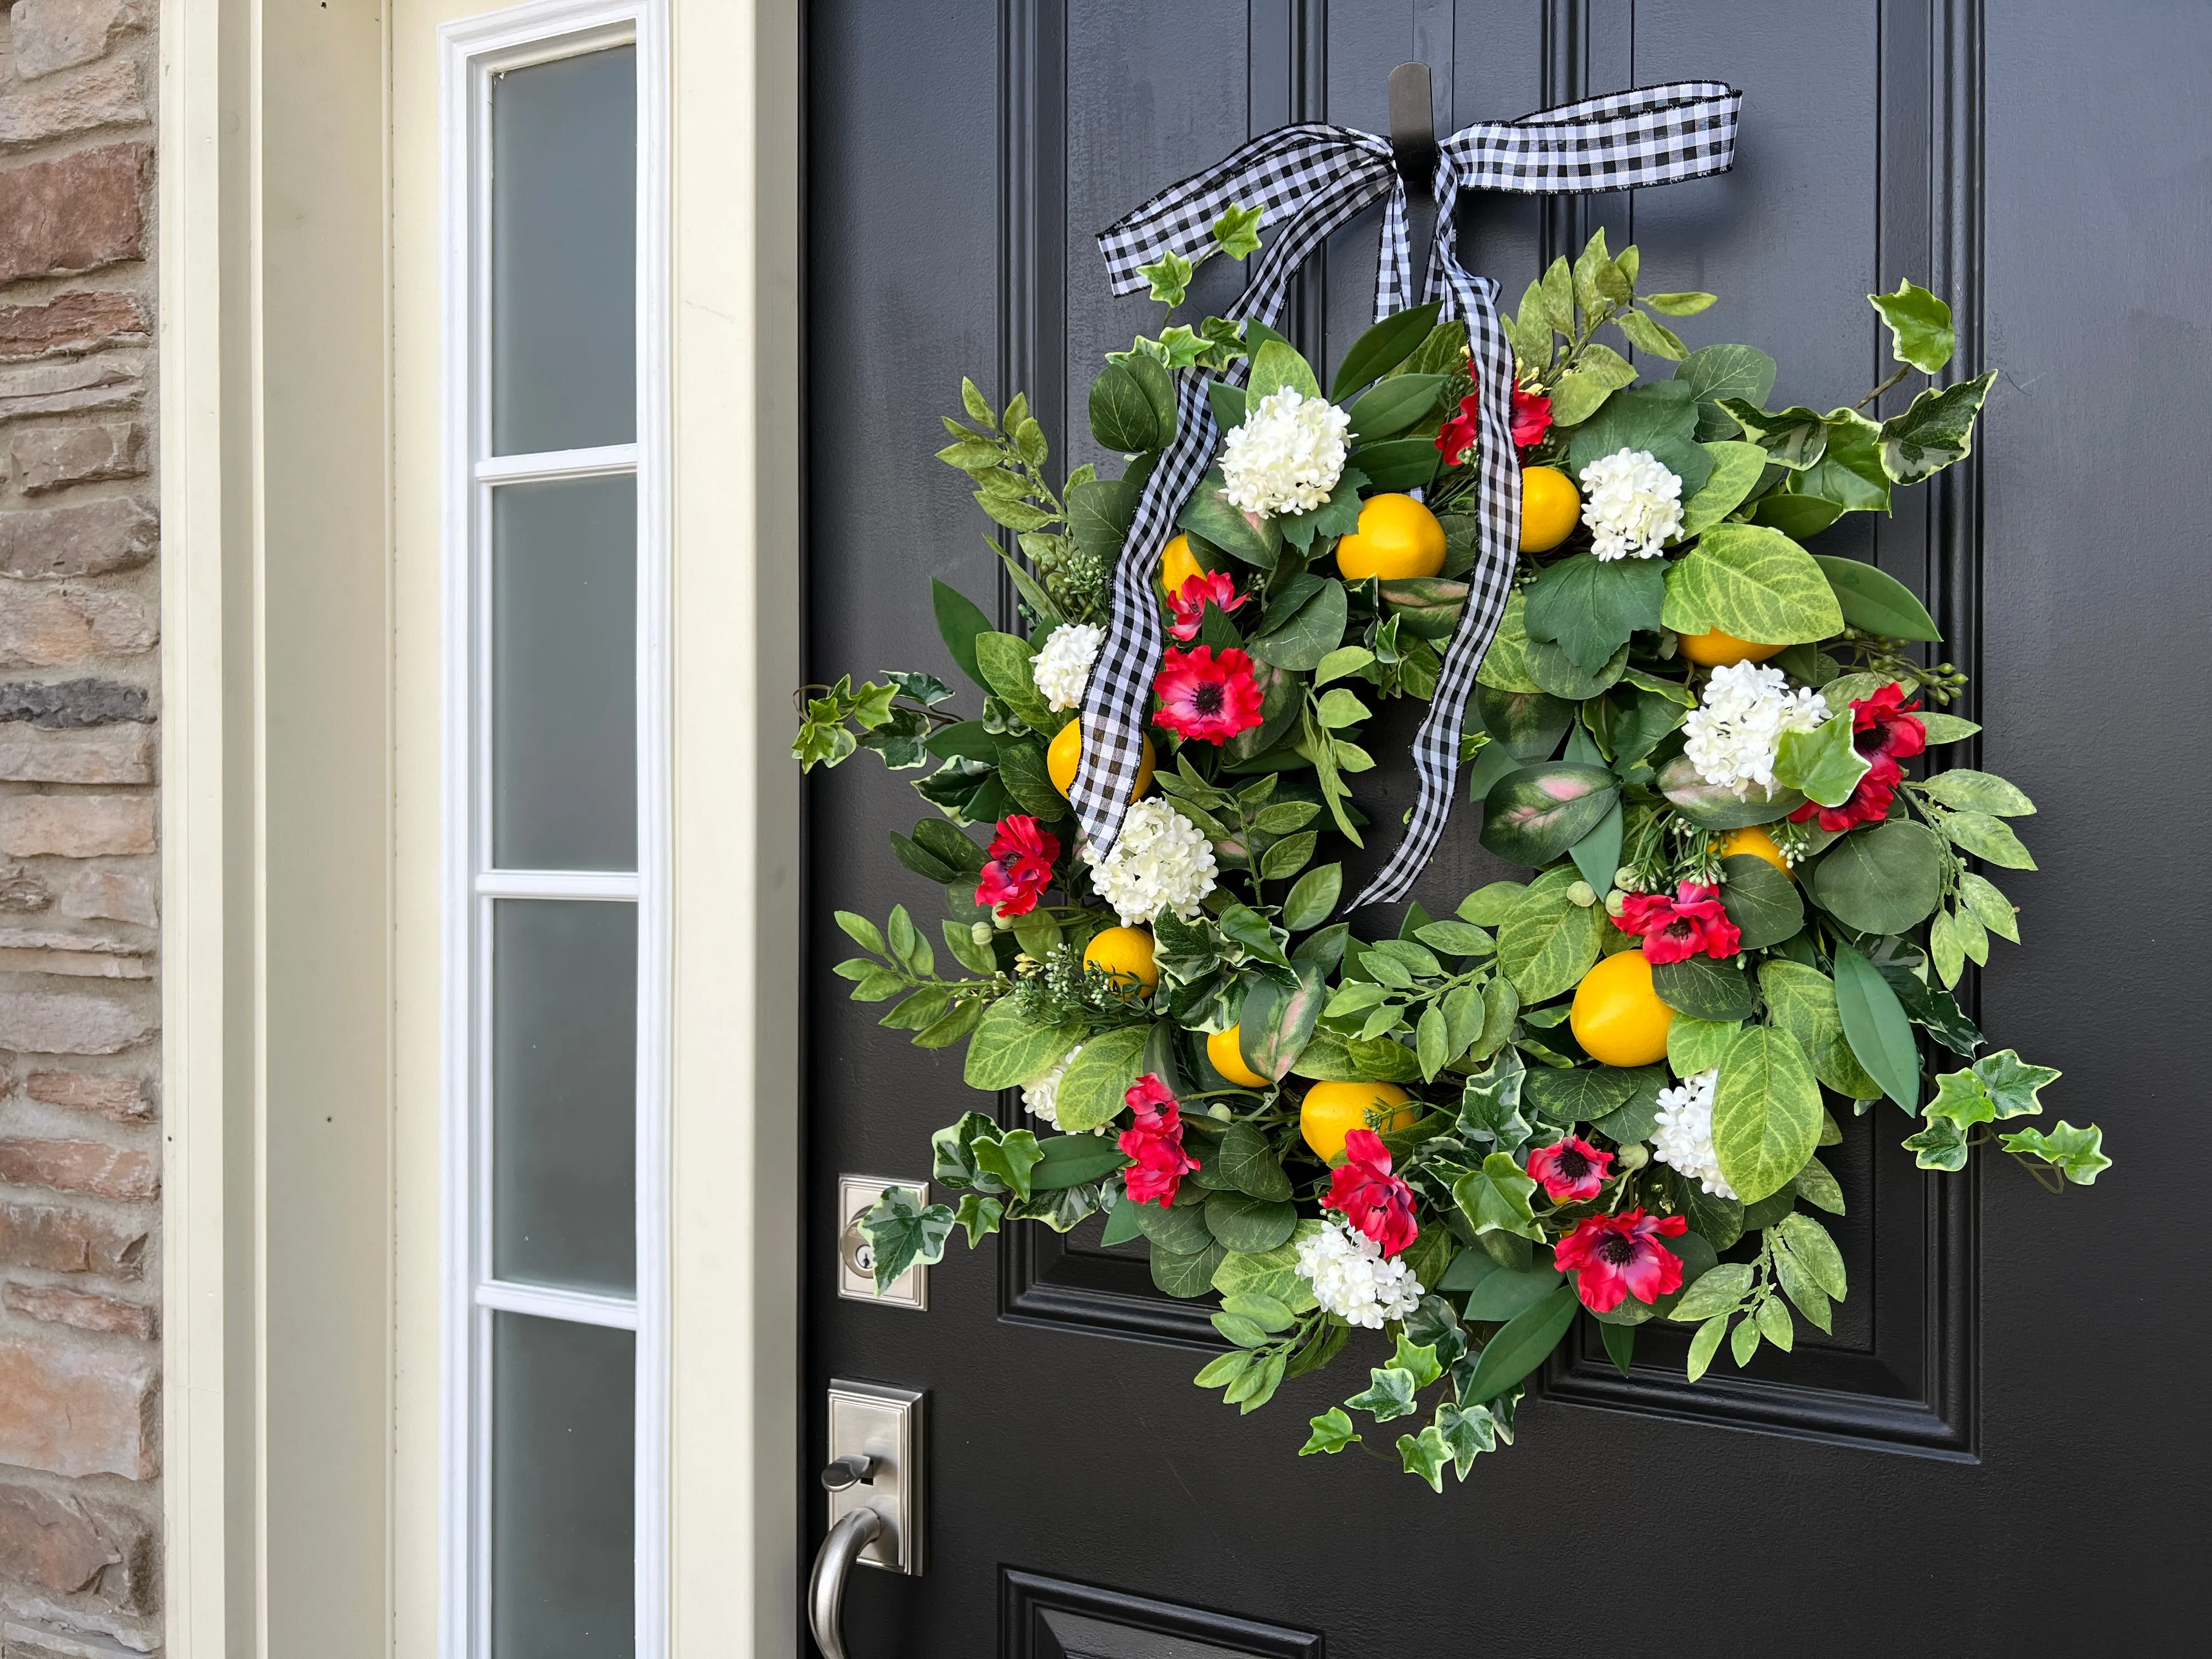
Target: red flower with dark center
[(1532, 418), (1020, 866), (1375, 1201), (1206, 696), (1617, 1257), (1885, 730), (1154, 1143), (1692, 923), (1572, 1171), (1209, 587), (1457, 436)]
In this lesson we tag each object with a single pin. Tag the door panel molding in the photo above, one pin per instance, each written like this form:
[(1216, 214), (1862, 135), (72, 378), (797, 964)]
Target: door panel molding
[(1027, 1601)]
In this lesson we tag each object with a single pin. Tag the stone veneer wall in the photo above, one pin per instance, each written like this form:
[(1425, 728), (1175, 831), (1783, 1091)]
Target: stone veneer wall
[(80, 1136)]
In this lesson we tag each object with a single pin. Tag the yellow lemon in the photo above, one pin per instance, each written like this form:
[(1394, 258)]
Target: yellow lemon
[(1757, 843), (1334, 1111), (1719, 650), (1397, 537), (1226, 1049), (1617, 1016), (1551, 507), (1127, 954), (1066, 749), (1178, 564)]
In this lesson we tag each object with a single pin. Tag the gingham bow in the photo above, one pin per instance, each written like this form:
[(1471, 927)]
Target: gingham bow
[(1307, 181)]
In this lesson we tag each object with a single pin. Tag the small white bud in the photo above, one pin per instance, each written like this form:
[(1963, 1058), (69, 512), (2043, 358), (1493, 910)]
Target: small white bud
[(983, 933), (1615, 902), (1625, 879), (1582, 894), (1635, 1156)]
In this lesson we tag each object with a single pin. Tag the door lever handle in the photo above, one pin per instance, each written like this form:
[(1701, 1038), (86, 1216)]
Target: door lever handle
[(833, 1565), (849, 1471)]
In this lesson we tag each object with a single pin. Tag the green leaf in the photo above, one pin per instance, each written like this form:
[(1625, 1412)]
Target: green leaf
[(1222, 1370), (1500, 1294), (1004, 659), (1246, 1161), (1589, 607), (1822, 765), (1700, 1045), (1277, 367), (1713, 372), (1390, 1395), (1660, 418), (1796, 516), (1704, 988), (1427, 1455), (1010, 1157), (1881, 1034), (1796, 437), (1396, 463), (1717, 1292), (1989, 905), (1808, 1242), (1948, 728), (1582, 391), (1332, 1433), (1759, 899), (1876, 601), (1687, 304), (1849, 471), (1382, 348), (862, 932), (1458, 939), (1524, 1343), (1091, 1093), (1815, 1185), (1767, 1113), (1209, 516), (1978, 792), (979, 1215), (1394, 404), (1072, 1160), (1170, 276), (1547, 942), (1987, 837), (2014, 1087), (2080, 1153), (1737, 468), (1534, 815), (1237, 232), (1920, 330), (1646, 334), (1250, 1226), (1704, 1345), (1490, 1104), (1637, 1115), (1619, 1345), (1883, 879), (1185, 1276), (1752, 582), (1010, 1050), (1581, 1095), (1495, 1198), (1803, 1002), (901, 1231), (1309, 634), (1715, 807), (1121, 414), (1941, 1146), (1313, 897), (1934, 431)]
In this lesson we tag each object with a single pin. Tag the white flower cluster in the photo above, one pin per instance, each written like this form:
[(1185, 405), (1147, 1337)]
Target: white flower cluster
[(1351, 1280), (1162, 862), (1042, 1095), (1062, 669), (1683, 1135), (1287, 456), (1631, 503), (1730, 736)]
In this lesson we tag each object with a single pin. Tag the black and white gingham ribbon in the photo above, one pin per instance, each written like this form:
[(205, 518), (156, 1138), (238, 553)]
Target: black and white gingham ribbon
[(1307, 180)]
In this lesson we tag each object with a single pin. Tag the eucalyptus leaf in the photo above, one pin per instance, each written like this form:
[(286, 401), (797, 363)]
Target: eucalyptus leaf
[(1760, 901), (1884, 879)]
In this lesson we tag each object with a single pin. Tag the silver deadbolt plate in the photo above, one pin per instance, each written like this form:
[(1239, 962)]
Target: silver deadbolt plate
[(884, 1426), (856, 1267)]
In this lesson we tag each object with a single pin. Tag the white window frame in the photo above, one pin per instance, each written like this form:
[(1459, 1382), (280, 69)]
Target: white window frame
[(472, 52)]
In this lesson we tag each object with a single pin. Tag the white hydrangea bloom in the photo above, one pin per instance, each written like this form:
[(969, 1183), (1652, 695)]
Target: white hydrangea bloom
[(1162, 862), (1062, 669), (1287, 456), (1042, 1095), (1730, 736), (1631, 503), (1683, 1132), (1351, 1280)]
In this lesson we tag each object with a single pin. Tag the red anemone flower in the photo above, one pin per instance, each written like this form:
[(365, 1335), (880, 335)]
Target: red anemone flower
[(1572, 1171), (1208, 586), (1154, 1143), (1457, 436), (1885, 730), (1692, 923), (1617, 1257), (1020, 866), (1375, 1201), (1208, 696), (1532, 418)]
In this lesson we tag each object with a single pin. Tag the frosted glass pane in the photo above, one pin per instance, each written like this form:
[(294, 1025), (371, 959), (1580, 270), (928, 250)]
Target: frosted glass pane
[(562, 1535), (564, 675), (564, 1091), (564, 253)]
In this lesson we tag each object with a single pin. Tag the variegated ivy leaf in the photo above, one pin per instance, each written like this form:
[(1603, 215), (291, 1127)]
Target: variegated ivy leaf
[(1332, 1433), (1170, 276), (2077, 1153), (1427, 1455), (1237, 232), (1941, 1146), (1390, 1395)]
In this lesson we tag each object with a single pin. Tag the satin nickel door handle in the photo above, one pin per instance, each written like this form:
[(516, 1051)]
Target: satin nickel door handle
[(833, 1565)]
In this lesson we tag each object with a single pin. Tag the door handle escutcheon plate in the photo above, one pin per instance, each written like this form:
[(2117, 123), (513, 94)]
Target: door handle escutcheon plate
[(881, 1428)]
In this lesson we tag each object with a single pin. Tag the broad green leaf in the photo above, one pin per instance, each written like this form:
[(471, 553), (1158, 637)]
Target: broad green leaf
[(1070, 1160), (1010, 1157), (2014, 1087), (1010, 1050), (1307, 635), (1822, 765), (1597, 854), (1495, 1198), (1936, 430), (1700, 1045), (1619, 1346), (1808, 1241), (1217, 1373), (1004, 659), (1186, 1276), (1636, 1116), (1648, 335), (1383, 347), (1816, 1186), (1332, 1433), (1506, 664), (960, 621), (1121, 415), (1737, 468), (1277, 367), (1948, 728), (1767, 1113), (1490, 1105), (1458, 939), (1499, 1294), (1660, 419), (862, 932), (1717, 807), (1752, 582), (1524, 1343), (1713, 372), (1527, 723), (1583, 1094), (1250, 1225), (1882, 879), (2080, 1153), (1394, 404), (1849, 471), (1582, 391), (1803, 1002), (1978, 792), (1704, 988), (1876, 601), (1345, 660), (1920, 330), (1278, 1020), (1313, 897), (1547, 942), (1209, 516), (1987, 837), (1246, 1161), (1876, 1025), (1180, 1229), (1774, 1324), (1589, 607), (1170, 276), (1532, 815), (1092, 1092), (1488, 906), (1760, 900), (1797, 517)]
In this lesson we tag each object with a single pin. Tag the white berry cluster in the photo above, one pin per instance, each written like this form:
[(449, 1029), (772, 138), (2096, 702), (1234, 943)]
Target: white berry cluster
[(1062, 669), (1730, 736), (1683, 1132), (1042, 1095), (1287, 456), (1351, 1280), (1631, 503), (1163, 862)]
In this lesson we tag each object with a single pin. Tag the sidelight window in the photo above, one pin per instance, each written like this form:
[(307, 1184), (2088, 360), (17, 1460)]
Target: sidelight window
[(555, 846)]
